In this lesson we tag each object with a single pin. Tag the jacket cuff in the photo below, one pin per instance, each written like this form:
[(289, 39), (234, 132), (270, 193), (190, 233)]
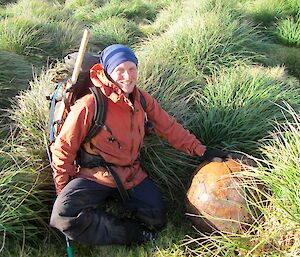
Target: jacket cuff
[(200, 150)]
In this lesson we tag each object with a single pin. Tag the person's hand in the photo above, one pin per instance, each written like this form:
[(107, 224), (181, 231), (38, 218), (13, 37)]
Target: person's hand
[(96, 173), (213, 154)]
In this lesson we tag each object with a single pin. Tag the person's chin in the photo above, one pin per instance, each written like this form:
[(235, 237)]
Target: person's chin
[(129, 89)]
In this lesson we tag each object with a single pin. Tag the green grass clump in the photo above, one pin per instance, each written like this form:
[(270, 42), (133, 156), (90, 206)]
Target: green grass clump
[(15, 73), (177, 9), (165, 17), (82, 10), (114, 30), (21, 36), (139, 11), (62, 37), (30, 112), (283, 152), (201, 43), (237, 107), (172, 86), (22, 208), (3, 13), (286, 56), (38, 10), (288, 31), (75, 4), (26, 175), (39, 29), (267, 12)]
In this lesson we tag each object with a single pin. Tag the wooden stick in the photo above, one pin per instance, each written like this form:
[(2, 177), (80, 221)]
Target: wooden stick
[(83, 44), (75, 73)]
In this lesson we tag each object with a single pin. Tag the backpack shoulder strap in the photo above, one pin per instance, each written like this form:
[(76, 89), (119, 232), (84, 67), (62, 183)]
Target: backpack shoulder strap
[(99, 114), (148, 124), (143, 101), (101, 110)]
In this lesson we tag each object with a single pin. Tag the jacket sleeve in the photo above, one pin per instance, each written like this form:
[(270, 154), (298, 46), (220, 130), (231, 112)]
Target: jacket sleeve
[(68, 142), (166, 126)]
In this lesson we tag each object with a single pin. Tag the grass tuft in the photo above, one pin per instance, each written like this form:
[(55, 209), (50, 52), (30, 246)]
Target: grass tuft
[(12, 82), (288, 31), (236, 108), (115, 30), (202, 43), (138, 11), (21, 36), (283, 151), (23, 209)]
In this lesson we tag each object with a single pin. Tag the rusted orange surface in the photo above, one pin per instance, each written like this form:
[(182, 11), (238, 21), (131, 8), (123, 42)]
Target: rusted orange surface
[(216, 198)]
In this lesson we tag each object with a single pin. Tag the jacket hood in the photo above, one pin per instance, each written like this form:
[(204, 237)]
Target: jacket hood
[(109, 89)]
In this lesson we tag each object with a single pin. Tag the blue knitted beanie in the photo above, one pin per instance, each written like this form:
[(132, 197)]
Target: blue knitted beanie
[(114, 55)]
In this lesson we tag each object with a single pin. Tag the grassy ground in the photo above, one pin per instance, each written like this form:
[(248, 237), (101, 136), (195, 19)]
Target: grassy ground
[(228, 71)]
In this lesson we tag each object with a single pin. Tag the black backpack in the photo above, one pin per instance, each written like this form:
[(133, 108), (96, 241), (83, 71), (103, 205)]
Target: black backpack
[(82, 87)]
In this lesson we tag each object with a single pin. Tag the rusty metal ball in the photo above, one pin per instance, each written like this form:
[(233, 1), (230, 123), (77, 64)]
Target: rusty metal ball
[(215, 199)]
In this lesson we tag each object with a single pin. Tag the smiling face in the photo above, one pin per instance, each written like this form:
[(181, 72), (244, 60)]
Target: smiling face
[(125, 74)]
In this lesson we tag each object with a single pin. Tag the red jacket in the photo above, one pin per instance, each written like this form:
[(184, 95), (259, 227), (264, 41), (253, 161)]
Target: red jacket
[(120, 141)]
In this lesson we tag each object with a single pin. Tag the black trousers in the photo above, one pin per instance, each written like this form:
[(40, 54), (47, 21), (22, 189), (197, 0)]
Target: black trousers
[(77, 212)]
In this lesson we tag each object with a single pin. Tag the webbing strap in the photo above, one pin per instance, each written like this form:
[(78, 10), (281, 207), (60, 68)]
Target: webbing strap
[(143, 102), (87, 160), (121, 189), (99, 114)]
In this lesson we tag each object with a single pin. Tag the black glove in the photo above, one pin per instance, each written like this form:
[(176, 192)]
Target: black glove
[(211, 153)]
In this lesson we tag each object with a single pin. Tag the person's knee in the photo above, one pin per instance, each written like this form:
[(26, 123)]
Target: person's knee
[(60, 213), (59, 222)]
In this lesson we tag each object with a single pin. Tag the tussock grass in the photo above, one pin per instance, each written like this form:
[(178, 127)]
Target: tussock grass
[(21, 36), (76, 4), (164, 18), (268, 11), (22, 207), (13, 79), (136, 10), (280, 55), (27, 191), (169, 168), (4, 2), (63, 37), (288, 31), (236, 108), (201, 43), (3, 13), (37, 10), (82, 10), (283, 151), (39, 29), (115, 30), (30, 111), (172, 86)]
